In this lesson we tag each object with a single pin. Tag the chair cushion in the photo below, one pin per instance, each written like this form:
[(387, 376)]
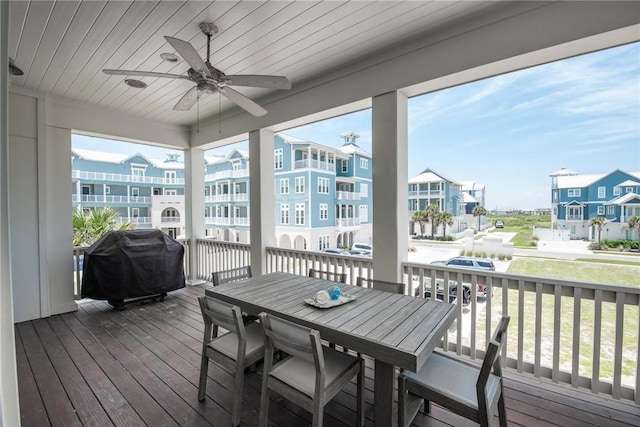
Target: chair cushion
[(301, 374), (227, 344), (450, 378)]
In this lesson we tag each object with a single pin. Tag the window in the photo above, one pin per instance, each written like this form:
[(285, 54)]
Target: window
[(284, 214), (574, 212), (324, 211), (602, 192), (170, 177), (107, 189), (86, 190), (345, 166), (299, 213), (364, 190), (278, 156), (364, 213), (629, 189), (555, 196), (323, 185), (573, 192), (170, 192), (600, 210), (616, 191), (611, 210), (323, 242), (135, 212), (135, 192), (137, 173), (237, 165), (299, 184), (364, 163), (284, 186)]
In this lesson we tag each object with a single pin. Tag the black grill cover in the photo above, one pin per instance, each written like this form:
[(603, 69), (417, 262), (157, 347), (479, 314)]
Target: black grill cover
[(132, 264)]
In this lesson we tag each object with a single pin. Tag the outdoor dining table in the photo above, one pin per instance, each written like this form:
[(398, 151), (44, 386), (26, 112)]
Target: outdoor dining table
[(395, 330)]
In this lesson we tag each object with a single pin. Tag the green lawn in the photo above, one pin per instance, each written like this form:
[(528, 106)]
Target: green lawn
[(523, 226)]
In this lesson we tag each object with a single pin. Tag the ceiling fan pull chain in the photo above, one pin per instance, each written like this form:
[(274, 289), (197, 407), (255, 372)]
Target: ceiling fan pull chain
[(219, 113), (198, 112)]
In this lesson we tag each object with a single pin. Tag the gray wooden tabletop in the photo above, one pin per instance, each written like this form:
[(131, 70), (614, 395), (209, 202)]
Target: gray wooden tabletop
[(397, 329)]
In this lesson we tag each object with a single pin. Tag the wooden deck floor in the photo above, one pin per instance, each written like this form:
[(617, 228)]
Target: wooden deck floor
[(100, 367)]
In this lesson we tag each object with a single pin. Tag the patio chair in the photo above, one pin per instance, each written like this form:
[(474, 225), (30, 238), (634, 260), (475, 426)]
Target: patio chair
[(381, 285), (234, 275), (311, 375), (328, 275), (462, 388), (236, 350)]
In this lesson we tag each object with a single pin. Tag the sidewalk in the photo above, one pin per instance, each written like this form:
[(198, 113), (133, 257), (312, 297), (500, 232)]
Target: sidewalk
[(572, 246)]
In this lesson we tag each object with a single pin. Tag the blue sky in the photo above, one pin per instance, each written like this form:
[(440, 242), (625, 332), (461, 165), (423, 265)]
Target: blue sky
[(510, 132)]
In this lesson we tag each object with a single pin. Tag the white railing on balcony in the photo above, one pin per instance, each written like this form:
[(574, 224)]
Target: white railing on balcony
[(240, 173), (347, 195), (426, 193), (583, 334), (238, 197), (314, 164), (116, 177), (574, 218), (347, 222), (215, 255), (136, 219), (92, 198), (170, 219), (227, 221)]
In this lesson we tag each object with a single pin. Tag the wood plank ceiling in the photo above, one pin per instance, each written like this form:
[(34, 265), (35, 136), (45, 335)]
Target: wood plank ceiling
[(62, 46)]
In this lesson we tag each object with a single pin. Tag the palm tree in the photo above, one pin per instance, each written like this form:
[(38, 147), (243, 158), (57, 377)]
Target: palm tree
[(418, 216), (479, 211), (431, 215), (634, 222), (446, 219), (598, 222), (90, 225)]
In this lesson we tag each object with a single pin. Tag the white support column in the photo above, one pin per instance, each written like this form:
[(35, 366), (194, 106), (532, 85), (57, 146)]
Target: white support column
[(194, 206), (390, 216), (9, 406), (262, 197)]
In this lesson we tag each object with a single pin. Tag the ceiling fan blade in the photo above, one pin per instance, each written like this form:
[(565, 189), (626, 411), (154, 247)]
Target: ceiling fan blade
[(189, 54), (256, 80), (242, 101), (188, 100), (143, 74)]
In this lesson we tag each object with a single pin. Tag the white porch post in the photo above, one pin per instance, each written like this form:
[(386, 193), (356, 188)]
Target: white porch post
[(262, 197), (390, 218), (194, 206)]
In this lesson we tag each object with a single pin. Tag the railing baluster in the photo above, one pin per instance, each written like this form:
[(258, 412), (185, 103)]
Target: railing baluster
[(557, 309), (597, 341), (538, 331), (488, 311), (636, 394), (575, 356), (520, 325), (505, 312), (617, 355), (459, 297), (474, 310)]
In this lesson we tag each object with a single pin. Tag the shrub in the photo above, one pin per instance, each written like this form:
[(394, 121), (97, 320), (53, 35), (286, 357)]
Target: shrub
[(501, 257), (412, 248), (533, 243), (462, 252), (509, 257)]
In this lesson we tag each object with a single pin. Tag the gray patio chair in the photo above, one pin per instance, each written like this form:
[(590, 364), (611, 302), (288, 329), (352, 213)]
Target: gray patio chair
[(236, 350), (234, 275), (462, 388), (381, 285), (311, 375), (328, 275)]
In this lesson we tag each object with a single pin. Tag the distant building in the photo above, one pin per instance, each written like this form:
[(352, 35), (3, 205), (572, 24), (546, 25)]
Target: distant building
[(473, 195), (577, 199)]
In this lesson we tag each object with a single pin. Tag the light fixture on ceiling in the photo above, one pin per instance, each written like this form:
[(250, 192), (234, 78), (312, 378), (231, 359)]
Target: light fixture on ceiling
[(13, 69), (169, 57), (135, 83)]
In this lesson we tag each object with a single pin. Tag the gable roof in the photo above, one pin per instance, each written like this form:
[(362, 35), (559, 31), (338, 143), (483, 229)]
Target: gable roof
[(292, 140), (628, 198), (429, 175), (105, 157), (581, 181)]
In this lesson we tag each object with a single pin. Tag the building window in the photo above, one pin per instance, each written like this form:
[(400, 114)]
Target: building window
[(573, 192), (284, 214), (284, 186), (107, 189), (555, 196), (86, 190), (616, 191), (602, 192), (323, 185), (299, 184), (237, 165), (323, 242), (364, 213), (137, 173), (299, 213), (364, 163), (278, 156), (170, 177), (600, 210), (324, 211), (574, 212), (629, 189), (135, 212), (611, 210), (364, 190), (170, 192), (345, 166), (135, 192)]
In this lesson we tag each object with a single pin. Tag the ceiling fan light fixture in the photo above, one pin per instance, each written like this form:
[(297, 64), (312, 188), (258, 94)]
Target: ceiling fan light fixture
[(169, 57), (138, 84), (13, 69)]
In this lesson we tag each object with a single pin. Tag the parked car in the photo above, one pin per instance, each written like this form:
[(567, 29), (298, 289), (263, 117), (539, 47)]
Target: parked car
[(356, 252), (473, 263), (499, 224), (336, 251), (366, 248)]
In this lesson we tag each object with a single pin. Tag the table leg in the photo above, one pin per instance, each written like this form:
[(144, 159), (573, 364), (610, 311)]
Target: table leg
[(383, 394)]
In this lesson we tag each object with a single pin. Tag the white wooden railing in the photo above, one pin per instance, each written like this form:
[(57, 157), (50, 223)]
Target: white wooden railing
[(314, 164), (104, 198), (117, 177), (239, 173), (347, 195), (215, 255)]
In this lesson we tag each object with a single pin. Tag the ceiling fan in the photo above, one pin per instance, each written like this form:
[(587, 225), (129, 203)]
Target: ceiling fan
[(209, 79)]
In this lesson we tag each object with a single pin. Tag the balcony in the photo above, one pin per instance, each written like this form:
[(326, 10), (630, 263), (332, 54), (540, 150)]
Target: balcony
[(227, 221), (347, 222), (139, 220), (237, 197), (240, 173), (314, 164), (100, 199), (170, 219), (347, 195), (575, 218), (116, 177)]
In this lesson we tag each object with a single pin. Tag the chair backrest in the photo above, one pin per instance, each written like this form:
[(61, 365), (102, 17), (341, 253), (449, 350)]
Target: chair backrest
[(219, 313), (292, 338), (232, 275), (328, 275), (381, 285), (491, 359)]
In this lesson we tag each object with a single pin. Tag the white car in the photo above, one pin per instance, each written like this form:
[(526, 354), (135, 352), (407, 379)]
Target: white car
[(363, 248)]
